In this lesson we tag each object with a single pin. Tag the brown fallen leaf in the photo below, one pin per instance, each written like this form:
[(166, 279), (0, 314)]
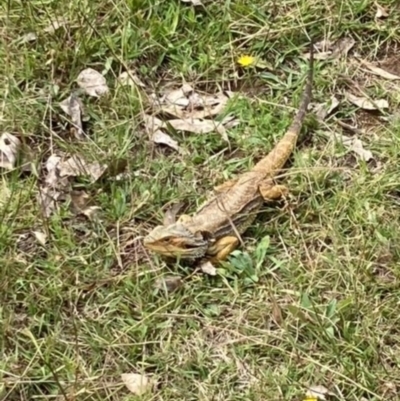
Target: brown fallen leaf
[(318, 392), (53, 177), (210, 106), (48, 200), (171, 212), (41, 237), (332, 50), (342, 47), (162, 138), (325, 109), (77, 166), (153, 125), (73, 107), (137, 384), (168, 283), (276, 313), (366, 104), (178, 97), (186, 103), (9, 149), (93, 83), (196, 126), (355, 145), (230, 121), (324, 44), (29, 37), (208, 268), (129, 78), (193, 2), (55, 24), (325, 55), (82, 203), (5, 192), (380, 11), (379, 71)]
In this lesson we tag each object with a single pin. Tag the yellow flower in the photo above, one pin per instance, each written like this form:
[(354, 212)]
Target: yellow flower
[(246, 61)]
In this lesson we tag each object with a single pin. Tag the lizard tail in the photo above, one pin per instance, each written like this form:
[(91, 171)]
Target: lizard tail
[(278, 156)]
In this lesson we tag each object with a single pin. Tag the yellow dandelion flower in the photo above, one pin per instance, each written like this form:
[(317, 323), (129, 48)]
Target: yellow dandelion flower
[(246, 61)]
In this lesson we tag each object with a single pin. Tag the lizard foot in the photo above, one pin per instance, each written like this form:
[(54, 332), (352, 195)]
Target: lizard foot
[(275, 192), (221, 249)]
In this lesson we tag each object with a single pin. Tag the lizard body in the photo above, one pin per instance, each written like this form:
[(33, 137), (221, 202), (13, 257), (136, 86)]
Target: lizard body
[(213, 232)]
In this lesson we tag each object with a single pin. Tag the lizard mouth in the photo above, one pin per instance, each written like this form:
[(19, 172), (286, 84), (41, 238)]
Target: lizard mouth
[(181, 250)]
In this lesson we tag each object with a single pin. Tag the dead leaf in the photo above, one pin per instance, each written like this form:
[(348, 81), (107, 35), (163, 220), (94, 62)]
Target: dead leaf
[(48, 199), (136, 383), (92, 82), (168, 283), (380, 11), (196, 126), (320, 55), (276, 313), (28, 159), (129, 78), (76, 166), (41, 237), (327, 49), (80, 200), (325, 109), (357, 147), (73, 107), (91, 211), (208, 268), (366, 104), (319, 392), (52, 177), (29, 37), (324, 44), (193, 2), (55, 24), (178, 97), (171, 212), (191, 108), (153, 125), (379, 71), (230, 121), (82, 203), (186, 103), (9, 149), (5, 192), (164, 139), (342, 47)]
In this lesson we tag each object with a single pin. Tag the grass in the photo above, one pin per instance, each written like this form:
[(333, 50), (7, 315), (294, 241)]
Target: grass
[(312, 298)]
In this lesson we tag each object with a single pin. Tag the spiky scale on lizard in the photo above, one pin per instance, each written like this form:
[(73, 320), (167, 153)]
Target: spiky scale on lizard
[(213, 231)]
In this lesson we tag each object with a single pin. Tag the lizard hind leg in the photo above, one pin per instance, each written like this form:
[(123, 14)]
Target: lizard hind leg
[(273, 192), (221, 249)]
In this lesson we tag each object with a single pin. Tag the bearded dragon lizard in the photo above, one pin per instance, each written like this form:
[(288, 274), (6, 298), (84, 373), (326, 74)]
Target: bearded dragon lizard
[(213, 232)]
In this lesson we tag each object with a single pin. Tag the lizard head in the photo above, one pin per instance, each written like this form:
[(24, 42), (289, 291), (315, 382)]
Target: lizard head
[(177, 241)]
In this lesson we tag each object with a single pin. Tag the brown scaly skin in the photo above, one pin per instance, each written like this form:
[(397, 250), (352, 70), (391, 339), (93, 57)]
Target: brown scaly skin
[(212, 233)]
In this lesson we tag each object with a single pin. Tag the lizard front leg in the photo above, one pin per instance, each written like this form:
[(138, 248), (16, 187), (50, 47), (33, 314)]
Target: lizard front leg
[(273, 192), (226, 186), (184, 218), (221, 249)]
